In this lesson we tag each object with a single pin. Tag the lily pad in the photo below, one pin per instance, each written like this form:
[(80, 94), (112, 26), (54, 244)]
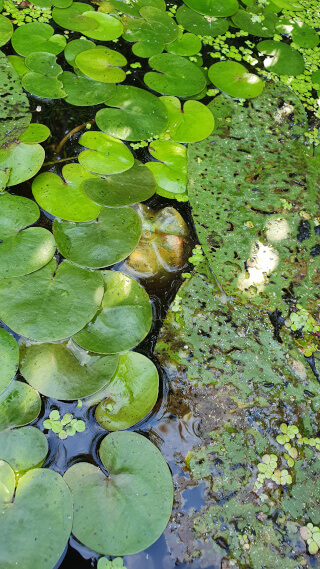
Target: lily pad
[(137, 496), (34, 132), (134, 185), (214, 8), (84, 92), (9, 358), (26, 252), (50, 304), (170, 172), (124, 319), (7, 482), (6, 30), (151, 32), (130, 394), (234, 79), (100, 243), (19, 65), (22, 160), (286, 5), (137, 115), (264, 27), (177, 76), (304, 36), (73, 18), (198, 24), (55, 371), (16, 212), (26, 447), (107, 27), (65, 199), (281, 58), (192, 123), (42, 507), (74, 47), (42, 80), (102, 64), (187, 44), (133, 7), (107, 155), (36, 36)]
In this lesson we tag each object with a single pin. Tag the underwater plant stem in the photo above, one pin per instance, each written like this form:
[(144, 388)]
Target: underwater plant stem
[(68, 135), (58, 161)]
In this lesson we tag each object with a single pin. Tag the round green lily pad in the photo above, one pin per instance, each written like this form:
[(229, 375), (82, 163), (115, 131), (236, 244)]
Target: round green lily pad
[(281, 58), (9, 358), (177, 76), (42, 80), (102, 65), (19, 405), (214, 8), (192, 123), (134, 185), (56, 372), (18, 63), (6, 30), (107, 155), (26, 252), (137, 114), (152, 31), (23, 161), (200, 25), (36, 36), (304, 36), (129, 509), (65, 199), (72, 18), (187, 44), (247, 21), (288, 5), (74, 47), (85, 92), (40, 518), (100, 243), (23, 448), (107, 27), (130, 394), (16, 212), (234, 80), (134, 6), (7, 482), (50, 304), (34, 133), (124, 319), (170, 172)]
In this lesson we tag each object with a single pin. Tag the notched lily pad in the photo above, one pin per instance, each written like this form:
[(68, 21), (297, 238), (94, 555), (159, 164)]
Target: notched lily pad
[(107, 155), (52, 303), (42, 80), (151, 32), (214, 8), (26, 252), (72, 18), (6, 30), (191, 123), (22, 161), (36, 36), (84, 92), (16, 212), (35, 132), (170, 172), (102, 64), (198, 24), (55, 371), (124, 319), (261, 25), (107, 27), (234, 79), (177, 76), (9, 358), (136, 497), (281, 58)]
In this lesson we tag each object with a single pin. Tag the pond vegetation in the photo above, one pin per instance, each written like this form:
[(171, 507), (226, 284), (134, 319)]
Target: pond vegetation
[(207, 111)]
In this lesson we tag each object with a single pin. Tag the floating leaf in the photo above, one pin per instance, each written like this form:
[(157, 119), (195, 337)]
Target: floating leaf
[(178, 76), (72, 18), (214, 8), (134, 185), (130, 394), (171, 171), (133, 7), (102, 64), (34, 132), (282, 58), (50, 304), (9, 358), (7, 483), (26, 252), (107, 155), (22, 160), (100, 243), (186, 45), (16, 212), (192, 123), (56, 372), (84, 92), (19, 65), (35, 37), (246, 20), (42, 80), (286, 5), (304, 36), (65, 199), (42, 507), (197, 24), (137, 115), (107, 27), (233, 78), (6, 30), (22, 448), (124, 319), (74, 47), (137, 496), (151, 32)]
